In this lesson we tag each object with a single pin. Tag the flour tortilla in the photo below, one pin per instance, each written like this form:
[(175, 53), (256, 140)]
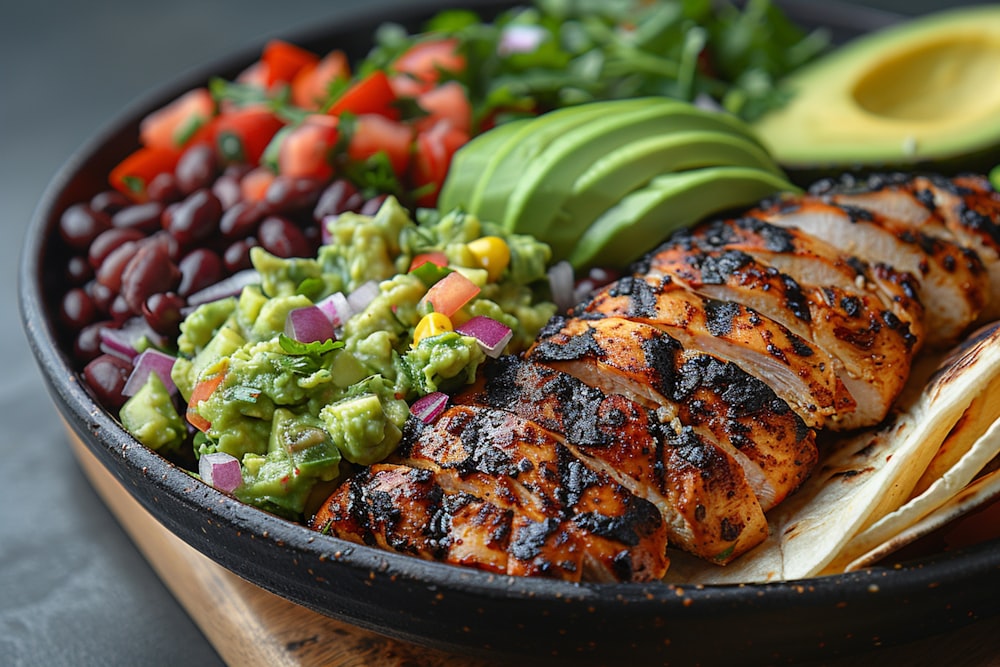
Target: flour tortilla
[(866, 476), (981, 492)]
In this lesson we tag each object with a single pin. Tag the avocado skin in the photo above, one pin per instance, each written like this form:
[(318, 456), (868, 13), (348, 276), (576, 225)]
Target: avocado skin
[(831, 123), (667, 203)]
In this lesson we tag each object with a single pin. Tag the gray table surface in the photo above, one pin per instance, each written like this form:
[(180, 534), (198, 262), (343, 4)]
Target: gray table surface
[(73, 588)]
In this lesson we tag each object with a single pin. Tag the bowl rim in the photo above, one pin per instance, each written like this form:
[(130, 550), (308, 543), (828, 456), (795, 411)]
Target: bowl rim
[(116, 449)]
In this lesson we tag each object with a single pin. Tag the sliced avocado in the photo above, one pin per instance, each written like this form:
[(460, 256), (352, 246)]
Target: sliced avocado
[(545, 182), (470, 161), (614, 175), (506, 166), (917, 94), (648, 215)]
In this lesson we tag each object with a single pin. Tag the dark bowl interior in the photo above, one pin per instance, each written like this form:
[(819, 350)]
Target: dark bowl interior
[(463, 610)]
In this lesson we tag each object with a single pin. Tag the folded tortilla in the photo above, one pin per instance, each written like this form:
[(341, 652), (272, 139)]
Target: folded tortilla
[(870, 487)]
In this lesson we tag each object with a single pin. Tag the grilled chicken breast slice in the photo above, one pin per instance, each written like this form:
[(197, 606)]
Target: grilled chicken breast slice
[(702, 493), (797, 371), (952, 282), (404, 509), (871, 358), (516, 464), (721, 402), (812, 262), (964, 210)]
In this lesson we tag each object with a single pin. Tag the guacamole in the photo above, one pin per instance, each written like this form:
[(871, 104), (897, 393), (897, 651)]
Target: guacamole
[(292, 412)]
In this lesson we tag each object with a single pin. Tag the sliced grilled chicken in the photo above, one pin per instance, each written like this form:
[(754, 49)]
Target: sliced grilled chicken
[(798, 371), (404, 509), (812, 262), (963, 210), (872, 359), (952, 282), (517, 465), (701, 491), (722, 403)]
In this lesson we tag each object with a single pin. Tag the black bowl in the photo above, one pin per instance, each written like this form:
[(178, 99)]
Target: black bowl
[(463, 610)]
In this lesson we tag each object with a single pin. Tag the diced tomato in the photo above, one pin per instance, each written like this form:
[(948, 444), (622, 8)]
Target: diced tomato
[(254, 184), (375, 134), (305, 151), (450, 293), (434, 150), (372, 94), (311, 85), (449, 100), (173, 125), (254, 75), (200, 393), (426, 60), (132, 175), (283, 61), (404, 85), (241, 135), (435, 257)]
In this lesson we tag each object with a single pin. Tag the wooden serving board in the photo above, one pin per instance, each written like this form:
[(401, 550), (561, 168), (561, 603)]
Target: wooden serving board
[(251, 627)]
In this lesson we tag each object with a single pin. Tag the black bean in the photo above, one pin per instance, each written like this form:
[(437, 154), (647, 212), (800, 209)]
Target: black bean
[(106, 375), (77, 309), (227, 189), (236, 256), (196, 168), (194, 219), (199, 269), (109, 273), (80, 225), (102, 296), (109, 202), (338, 197), (78, 270), (163, 313), (241, 220), (288, 195), (148, 272), (282, 238), (87, 344), (107, 241), (371, 206), (119, 311), (143, 217), (164, 189)]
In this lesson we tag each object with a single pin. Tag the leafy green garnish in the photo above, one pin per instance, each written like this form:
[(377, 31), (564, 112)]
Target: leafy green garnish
[(297, 348)]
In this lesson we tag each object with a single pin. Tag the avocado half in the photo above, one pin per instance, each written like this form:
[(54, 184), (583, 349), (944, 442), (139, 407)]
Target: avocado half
[(921, 94)]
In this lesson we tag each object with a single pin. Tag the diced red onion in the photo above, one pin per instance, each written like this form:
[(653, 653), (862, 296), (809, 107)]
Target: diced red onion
[(520, 39), (561, 283), (150, 361), (325, 236), (308, 324), (428, 408), (123, 341), (363, 295), (491, 335), (337, 308), (226, 287), (707, 102), (221, 471)]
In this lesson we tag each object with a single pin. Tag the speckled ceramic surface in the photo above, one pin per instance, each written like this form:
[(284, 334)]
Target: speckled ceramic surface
[(464, 610)]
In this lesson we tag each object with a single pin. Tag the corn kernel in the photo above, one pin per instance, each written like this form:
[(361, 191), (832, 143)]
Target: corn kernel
[(492, 253), (431, 324)]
